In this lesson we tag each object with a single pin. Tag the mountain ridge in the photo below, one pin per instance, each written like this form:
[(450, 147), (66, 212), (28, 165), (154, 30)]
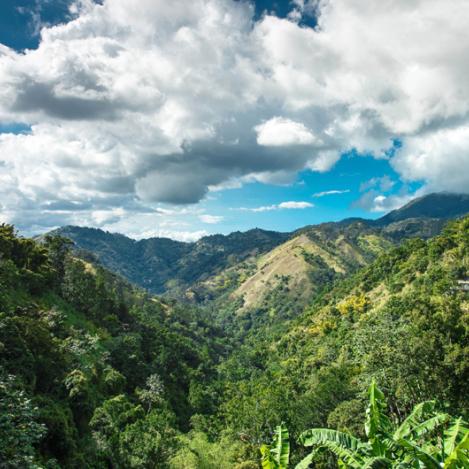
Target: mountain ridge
[(163, 265)]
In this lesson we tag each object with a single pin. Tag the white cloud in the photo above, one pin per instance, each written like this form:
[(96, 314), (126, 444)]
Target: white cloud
[(102, 217), (186, 236), (136, 102), (440, 159), (280, 132), (383, 184), (210, 219), (373, 201), (376, 195), (295, 205), (290, 205), (331, 192)]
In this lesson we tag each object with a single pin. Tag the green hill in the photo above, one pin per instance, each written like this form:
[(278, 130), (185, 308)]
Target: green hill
[(443, 205), (93, 371), (402, 320), (162, 264)]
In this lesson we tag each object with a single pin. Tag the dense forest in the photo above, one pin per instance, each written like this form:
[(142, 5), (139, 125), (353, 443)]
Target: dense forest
[(95, 372)]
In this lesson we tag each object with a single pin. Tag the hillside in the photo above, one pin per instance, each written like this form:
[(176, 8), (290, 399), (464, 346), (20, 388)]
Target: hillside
[(301, 266), (442, 205), (279, 282), (97, 373), (402, 320), (92, 368)]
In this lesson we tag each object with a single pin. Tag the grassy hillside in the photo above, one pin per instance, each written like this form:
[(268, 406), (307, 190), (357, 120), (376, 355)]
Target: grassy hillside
[(97, 373), (310, 260), (259, 272)]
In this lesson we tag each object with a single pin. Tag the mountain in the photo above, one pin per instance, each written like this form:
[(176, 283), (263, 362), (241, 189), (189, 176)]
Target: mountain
[(92, 369), (442, 205), (244, 269), (279, 282), (161, 264), (95, 372)]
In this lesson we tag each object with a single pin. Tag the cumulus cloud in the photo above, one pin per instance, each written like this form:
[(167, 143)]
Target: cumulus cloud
[(132, 106), (383, 184), (279, 132), (374, 201), (290, 205), (376, 196), (440, 159)]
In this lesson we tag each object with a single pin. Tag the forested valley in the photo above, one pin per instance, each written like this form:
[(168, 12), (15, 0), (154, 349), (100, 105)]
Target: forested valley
[(98, 373)]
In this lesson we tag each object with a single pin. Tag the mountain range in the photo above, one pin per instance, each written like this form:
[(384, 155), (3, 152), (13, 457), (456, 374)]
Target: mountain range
[(247, 267), (285, 327)]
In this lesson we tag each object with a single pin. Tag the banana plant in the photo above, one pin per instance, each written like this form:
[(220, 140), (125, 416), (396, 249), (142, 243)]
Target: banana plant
[(411, 445), (277, 455)]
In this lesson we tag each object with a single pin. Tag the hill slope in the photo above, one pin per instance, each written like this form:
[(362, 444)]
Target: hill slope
[(402, 320), (442, 205), (100, 374), (310, 260), (93, 372)]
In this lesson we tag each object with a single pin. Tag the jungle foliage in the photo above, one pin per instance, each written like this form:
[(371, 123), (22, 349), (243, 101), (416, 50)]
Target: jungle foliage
[(97, 373)]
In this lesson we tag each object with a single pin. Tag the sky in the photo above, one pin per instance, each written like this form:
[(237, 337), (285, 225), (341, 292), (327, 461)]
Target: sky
[(193, 117)]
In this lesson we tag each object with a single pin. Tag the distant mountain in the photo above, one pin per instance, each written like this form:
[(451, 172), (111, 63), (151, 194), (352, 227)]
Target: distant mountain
[(247, 268), (161, 264), (441, 205)]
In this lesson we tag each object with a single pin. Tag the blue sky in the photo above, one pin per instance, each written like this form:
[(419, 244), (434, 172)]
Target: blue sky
[(276, 124)]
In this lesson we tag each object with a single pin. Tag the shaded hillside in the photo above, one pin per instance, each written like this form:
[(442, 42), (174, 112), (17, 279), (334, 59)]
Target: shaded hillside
[(97, 373), (262, 270)]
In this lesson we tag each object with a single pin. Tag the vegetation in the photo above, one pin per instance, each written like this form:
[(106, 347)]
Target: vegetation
[(93, 373), (402, 321), (97, 373), (217, 264), (164, 265), (425, 438)]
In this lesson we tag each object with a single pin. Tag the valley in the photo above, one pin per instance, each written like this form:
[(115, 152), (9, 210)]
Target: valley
[(250, 330)]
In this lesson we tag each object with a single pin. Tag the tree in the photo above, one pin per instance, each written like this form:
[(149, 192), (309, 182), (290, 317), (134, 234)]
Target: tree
[(19, 431), (425, 438)]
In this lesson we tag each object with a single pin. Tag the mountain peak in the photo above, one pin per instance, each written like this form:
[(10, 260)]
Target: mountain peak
[(436, 205)]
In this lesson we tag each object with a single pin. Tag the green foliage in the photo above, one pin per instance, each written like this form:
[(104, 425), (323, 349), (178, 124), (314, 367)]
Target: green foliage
[(161, 264), (106, 375), (417, 442), (400, 320), (198, 452), (108, 369), (19, 429), (277, 455)]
